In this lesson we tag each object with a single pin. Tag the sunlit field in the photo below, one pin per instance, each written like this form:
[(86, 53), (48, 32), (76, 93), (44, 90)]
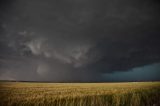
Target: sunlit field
[(80, 94)]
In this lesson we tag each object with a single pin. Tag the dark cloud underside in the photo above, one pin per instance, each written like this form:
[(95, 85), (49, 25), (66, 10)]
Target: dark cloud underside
[(77, 40)]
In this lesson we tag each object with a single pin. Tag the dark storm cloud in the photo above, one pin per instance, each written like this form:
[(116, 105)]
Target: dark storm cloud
[(65, 40)]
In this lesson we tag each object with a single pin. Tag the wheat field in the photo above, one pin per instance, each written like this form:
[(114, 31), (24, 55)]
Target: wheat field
[(79, 94)]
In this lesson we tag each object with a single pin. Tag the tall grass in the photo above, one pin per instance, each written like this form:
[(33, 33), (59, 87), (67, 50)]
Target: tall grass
[(80, 94)]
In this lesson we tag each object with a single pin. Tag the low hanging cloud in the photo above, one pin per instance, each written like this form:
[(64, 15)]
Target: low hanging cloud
[(77, 40)]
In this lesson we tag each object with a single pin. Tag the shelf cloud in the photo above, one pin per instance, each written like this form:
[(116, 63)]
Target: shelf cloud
[(79, 40)]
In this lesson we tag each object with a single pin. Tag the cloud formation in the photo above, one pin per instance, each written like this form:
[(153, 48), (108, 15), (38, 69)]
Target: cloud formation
[(77, 40)]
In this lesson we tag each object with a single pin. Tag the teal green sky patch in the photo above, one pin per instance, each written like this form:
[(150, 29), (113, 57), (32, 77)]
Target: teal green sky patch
[(149, 72)]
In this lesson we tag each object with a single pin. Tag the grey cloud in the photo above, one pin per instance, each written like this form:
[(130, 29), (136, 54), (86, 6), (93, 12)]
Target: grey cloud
[(78, 40)]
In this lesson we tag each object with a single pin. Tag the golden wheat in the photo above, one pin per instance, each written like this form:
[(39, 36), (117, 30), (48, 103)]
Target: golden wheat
[(79, 94)]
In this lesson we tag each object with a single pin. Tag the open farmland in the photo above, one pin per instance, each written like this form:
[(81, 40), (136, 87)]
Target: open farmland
[(80, 94)]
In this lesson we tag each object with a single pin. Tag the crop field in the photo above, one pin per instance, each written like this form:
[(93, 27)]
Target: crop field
[(79, 94)]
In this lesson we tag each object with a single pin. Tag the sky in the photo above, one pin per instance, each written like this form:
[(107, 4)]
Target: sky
[(80, 40)]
